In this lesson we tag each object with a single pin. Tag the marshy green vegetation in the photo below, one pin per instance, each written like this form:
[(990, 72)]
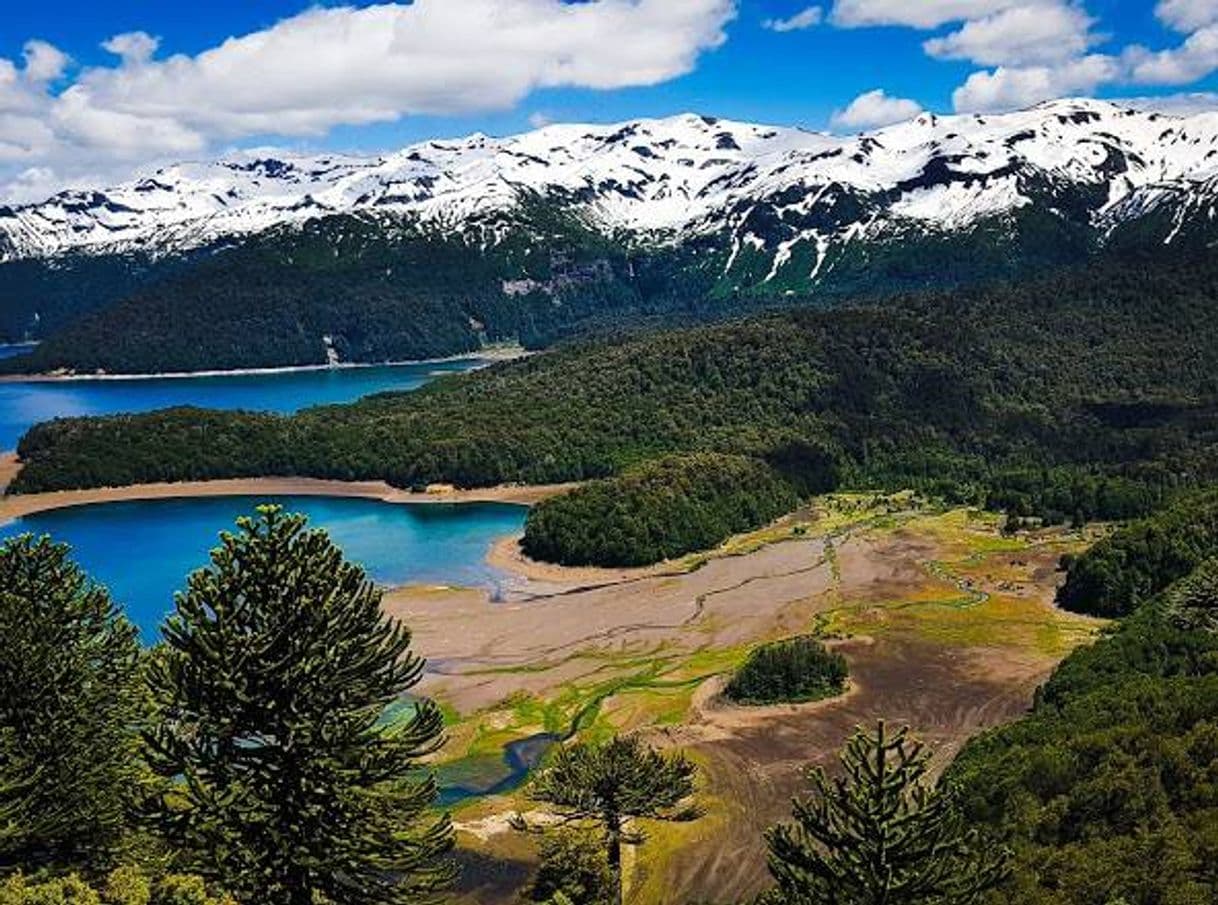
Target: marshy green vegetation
[(112, 792)]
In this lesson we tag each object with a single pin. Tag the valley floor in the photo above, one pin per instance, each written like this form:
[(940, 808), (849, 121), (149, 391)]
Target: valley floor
[(948, 627)]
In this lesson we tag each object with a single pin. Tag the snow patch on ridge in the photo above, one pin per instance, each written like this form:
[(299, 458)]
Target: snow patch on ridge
[(657, 179)]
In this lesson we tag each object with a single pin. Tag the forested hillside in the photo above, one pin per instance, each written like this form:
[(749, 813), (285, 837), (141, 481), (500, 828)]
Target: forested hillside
[(252, 260), (1106, 792), (1048, 398), (660, 510), (358, 287), (374, 290), (1143, 558)]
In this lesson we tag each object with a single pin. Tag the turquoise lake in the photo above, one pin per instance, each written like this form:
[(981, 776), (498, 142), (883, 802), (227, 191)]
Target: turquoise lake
[(25, 403), (142, 550)]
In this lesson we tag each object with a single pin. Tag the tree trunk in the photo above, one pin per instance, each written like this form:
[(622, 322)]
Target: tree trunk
[(613, 842)]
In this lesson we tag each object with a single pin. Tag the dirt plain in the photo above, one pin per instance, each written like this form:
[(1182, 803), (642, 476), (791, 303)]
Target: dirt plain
[(947, 625)]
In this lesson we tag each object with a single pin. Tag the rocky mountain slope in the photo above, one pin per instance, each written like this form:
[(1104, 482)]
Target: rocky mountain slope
[(658, 180)]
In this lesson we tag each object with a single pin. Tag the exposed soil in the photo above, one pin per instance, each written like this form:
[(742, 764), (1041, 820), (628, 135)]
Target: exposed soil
[(756, 761), (558, 633)]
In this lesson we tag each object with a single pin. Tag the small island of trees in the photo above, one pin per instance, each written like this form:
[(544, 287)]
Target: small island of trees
[(795, 670)]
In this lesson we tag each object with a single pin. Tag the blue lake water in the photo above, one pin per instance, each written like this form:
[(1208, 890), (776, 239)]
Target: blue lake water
[(25, 403), (144, 549)]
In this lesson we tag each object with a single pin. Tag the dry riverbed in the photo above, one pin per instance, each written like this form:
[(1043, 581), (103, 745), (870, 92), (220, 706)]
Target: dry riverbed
[(948, 627)]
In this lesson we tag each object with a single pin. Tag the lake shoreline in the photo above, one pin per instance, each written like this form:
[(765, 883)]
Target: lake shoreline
[(18, 505), (490, 354)]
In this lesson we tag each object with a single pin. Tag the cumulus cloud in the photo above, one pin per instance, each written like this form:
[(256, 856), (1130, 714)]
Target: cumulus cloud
[(335, 66), (1035, 50), (915, 13), (132, 46), (1038, 33), (44, 62), (1187, 15), (1196, 58), (1007, 88), (1184, 104), (806, 18), (875, 108)]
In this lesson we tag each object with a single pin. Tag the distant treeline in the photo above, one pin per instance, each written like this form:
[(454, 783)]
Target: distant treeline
[(1049, 398)]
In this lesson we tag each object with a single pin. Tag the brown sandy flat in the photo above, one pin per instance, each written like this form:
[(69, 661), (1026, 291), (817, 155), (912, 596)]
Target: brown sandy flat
[(753, 758), (9, 466)]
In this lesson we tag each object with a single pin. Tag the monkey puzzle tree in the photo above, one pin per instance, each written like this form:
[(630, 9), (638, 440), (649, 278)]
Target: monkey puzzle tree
[(287, 785), (70, 709), (614, 783), (881, 834)]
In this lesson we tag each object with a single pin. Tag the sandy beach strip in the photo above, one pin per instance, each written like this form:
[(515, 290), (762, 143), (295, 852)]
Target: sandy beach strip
[(490, 355), (505, 554), (16, 506)]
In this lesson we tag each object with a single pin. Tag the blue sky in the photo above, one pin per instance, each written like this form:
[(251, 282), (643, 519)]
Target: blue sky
[(355, 77)]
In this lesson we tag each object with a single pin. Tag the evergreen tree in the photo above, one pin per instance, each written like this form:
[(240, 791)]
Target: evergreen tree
[(70, 706), (614, 783), (288, 785), (881, 834), (573, 864)]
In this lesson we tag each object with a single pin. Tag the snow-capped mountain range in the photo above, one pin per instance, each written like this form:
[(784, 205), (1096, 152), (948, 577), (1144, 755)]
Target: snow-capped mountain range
[(665, 180)]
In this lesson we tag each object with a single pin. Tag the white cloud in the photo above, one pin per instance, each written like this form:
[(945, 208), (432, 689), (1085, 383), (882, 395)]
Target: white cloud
[(1187, 15), (1042, 49), (915, 13), (1183, 104), (44, 62), (1008, 88), (803, 19), (1196, 58), (343, 66), (132, 46), (875, 108), (1038, 33), (539, 120)]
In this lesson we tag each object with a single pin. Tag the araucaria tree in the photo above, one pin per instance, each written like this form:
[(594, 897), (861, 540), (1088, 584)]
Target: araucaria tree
[(287, 784), (614, 783), (881, 834), (70, 706)]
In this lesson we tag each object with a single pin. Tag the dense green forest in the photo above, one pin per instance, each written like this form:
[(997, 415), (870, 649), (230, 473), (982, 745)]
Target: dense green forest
[(792, 670), (38, 298), (659, 510), (384, 287), (1142, 558), (1114, 771), (368, 292), (1048, 398)]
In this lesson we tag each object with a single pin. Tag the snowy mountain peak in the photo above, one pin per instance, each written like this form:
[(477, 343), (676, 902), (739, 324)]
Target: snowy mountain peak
[(661, 179)]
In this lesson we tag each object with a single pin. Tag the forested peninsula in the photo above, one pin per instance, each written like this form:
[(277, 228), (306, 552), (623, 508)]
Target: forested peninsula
[(1049, 399)]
